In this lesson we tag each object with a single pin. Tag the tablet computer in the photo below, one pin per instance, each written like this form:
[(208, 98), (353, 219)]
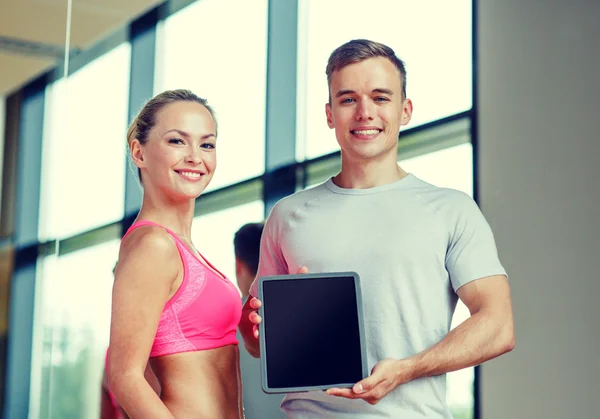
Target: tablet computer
[(312, 332)]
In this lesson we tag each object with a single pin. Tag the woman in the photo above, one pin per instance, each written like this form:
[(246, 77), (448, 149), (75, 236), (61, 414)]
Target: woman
[(170, 305)]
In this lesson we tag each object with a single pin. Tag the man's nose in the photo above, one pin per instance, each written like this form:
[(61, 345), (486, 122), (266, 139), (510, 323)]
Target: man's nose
[(364, 111)]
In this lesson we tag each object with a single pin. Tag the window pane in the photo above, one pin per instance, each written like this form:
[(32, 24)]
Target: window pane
[(448, 168), (452, 168), (213, 234), (84, 148), (73, 322), (2, 140), (218, 49), (433, 38)]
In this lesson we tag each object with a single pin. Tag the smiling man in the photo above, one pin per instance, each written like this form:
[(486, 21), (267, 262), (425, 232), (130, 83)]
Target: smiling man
[(417, 249)]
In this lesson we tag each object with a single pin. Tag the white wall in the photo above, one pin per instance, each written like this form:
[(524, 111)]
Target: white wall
[(539, 137)]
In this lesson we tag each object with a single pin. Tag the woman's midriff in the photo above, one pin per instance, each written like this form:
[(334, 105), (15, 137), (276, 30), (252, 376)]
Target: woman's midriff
[(201, 384)]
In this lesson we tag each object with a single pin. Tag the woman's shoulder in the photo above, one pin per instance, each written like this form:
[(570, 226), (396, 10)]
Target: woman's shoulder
[(150, 243)]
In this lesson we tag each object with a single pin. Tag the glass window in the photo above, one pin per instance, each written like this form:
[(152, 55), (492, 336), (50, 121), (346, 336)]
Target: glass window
[(448, 168), (218, 49), (72, 322), (213, 233), (2, 140), (434, 40), (84, 148), (452, 168)]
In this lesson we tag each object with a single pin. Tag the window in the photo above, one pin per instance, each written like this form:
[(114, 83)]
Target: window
[(84, 148), (2, 140), (213, 233), (72, 324), (218, 49), (449, 168), (453, 168), (434, 40)]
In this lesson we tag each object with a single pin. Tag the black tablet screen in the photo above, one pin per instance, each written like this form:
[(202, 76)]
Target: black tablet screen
[(311, 332)]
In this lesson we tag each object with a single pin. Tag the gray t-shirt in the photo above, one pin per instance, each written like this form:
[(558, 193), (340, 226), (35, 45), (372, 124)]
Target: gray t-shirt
[(413, 245)]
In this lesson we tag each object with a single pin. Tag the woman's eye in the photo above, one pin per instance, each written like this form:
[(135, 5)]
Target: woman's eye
[(208, 145), (175, 141)]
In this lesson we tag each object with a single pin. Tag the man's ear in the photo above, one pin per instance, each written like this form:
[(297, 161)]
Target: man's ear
[(137, 153), (407, 110), (329, 115)]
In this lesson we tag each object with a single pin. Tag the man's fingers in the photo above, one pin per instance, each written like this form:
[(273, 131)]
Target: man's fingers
[(342, 392), (255, 331), (303, 270), (374, 395), (368, 383), (255, 318), (255, 303)]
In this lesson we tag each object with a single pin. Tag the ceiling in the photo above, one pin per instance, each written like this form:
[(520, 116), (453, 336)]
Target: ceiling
[(32, 32)]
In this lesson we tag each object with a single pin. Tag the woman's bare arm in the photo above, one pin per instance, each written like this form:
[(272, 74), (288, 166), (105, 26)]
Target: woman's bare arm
[(148, 265)]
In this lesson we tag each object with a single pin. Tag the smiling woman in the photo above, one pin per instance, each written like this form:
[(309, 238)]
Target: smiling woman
[(184, 319), (140, 128)]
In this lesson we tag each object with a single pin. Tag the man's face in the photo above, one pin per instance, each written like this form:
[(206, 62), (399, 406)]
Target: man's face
[(367, 109)]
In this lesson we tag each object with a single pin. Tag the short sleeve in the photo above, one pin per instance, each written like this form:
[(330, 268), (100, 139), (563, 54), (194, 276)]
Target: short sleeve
[(271, 260), (472, 252)]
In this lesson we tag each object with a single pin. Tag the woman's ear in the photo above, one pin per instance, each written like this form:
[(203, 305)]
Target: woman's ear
[(137, 153)]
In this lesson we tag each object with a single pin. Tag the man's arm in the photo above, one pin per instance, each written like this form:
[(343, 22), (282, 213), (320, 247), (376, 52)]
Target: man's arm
[(271, 262), (488, 333), (249, 326)]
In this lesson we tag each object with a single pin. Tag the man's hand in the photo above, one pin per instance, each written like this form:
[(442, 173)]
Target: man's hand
[(254, 318), (250, 321), (255, 303), (385, 377)]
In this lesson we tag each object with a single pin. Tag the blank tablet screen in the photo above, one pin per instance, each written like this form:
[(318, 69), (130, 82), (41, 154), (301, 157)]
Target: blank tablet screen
[(311, 332)]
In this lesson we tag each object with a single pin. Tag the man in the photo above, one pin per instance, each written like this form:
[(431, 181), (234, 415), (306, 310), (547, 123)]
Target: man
[(416, 247), (257, 404)]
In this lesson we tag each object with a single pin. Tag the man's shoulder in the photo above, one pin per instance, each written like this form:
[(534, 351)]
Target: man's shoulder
[(299, 199), (445, 203), (440, 195)]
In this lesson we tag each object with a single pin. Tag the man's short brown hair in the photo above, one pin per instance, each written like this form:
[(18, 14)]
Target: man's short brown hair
[(358, 50)]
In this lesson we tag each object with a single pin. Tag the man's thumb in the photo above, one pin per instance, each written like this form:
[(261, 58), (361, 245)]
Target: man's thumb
[(362, 386)]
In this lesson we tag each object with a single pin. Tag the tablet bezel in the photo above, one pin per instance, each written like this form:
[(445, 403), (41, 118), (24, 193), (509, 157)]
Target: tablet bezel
[(263, 357)]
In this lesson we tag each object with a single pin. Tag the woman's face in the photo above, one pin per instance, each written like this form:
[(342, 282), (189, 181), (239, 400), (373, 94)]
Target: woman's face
[(180, 156)]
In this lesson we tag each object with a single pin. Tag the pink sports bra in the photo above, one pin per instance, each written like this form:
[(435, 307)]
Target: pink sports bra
[(204, 312)]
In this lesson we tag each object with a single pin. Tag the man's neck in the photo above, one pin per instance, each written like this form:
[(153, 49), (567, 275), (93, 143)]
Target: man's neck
[(368, 174)]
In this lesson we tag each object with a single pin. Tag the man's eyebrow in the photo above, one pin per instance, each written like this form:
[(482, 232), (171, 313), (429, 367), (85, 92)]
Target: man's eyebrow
[(383, 90), (344, 92), (376, 90)]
